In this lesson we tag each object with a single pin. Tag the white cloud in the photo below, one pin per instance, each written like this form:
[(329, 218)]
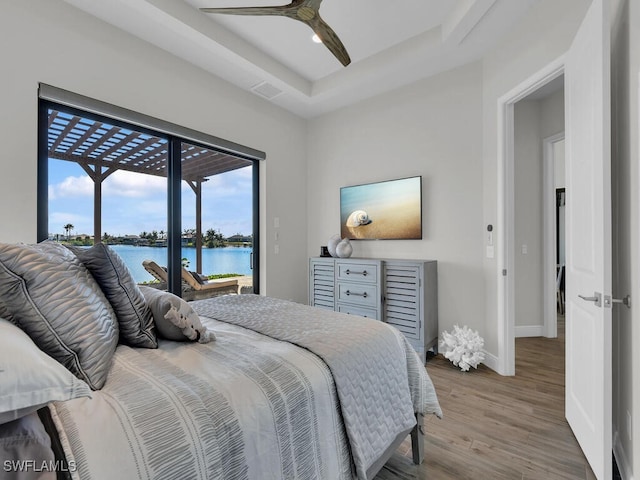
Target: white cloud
[(133, 185), (236, 182), (72, 187)]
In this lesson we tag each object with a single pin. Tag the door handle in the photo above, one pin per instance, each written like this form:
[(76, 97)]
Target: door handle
[(626, 301), (597, 298)]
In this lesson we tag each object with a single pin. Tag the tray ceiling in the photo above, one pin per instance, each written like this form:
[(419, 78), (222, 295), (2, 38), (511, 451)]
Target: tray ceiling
[(391, 44)]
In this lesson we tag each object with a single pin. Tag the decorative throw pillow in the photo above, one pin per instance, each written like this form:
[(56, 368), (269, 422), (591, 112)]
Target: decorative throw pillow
[(29, 377), (115, 280), (175, 319), (52, 296)]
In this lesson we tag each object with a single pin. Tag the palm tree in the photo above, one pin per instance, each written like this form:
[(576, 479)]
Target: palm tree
[(67, 228), (213, 239)]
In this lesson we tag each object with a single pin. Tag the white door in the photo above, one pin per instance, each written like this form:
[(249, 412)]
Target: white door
[(588, 169)]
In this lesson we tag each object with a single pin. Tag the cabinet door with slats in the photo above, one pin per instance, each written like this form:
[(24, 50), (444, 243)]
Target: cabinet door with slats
[(321, 292), (402, 299)]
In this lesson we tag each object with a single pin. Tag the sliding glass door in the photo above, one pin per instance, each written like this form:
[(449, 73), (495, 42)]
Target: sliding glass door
[(161, 202), (217, 215)]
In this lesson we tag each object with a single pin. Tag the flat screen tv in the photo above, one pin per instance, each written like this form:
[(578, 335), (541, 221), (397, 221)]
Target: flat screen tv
[(389, 210)]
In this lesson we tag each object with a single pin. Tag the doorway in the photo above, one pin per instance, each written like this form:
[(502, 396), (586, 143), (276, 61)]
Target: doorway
[(526, 210), (538, 142)]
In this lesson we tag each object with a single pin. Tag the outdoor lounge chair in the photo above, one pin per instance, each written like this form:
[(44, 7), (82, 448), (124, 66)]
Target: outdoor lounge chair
[(192, 288)]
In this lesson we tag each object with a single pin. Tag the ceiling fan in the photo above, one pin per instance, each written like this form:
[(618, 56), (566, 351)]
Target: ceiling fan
[(305, 11)]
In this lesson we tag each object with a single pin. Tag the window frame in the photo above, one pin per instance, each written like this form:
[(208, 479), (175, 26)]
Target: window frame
[(174, 176)]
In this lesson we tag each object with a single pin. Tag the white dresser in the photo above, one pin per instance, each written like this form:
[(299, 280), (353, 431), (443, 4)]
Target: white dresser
[(403, 293)]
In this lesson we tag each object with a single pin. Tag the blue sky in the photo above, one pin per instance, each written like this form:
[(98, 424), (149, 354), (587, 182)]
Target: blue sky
[(133, 203)]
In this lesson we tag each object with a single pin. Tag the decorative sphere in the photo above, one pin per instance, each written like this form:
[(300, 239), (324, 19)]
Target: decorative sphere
[(344, 249), (332, 244)]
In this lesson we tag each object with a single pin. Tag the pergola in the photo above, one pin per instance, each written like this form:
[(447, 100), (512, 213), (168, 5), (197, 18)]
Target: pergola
[(101, 149)]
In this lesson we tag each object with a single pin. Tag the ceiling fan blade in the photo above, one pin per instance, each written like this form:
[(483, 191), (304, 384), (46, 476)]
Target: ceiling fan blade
[(315, 4), (276, 10), (305, 11), (329, 39)]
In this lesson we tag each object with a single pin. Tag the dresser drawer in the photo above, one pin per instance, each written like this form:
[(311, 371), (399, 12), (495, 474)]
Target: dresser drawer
[(358, 294), (360, 272), (362, 311)]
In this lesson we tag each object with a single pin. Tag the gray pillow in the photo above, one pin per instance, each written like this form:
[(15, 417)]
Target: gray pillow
[(175, 319), (115, 280), (52, 296)]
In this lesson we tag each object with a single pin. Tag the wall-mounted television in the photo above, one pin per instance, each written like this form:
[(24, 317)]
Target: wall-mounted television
[(389, 210)]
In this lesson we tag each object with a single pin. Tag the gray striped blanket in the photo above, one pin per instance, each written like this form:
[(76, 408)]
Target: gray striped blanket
[(381, 382), (247, 406)]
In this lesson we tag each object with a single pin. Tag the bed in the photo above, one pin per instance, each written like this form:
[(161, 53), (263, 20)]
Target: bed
[(239, 387)]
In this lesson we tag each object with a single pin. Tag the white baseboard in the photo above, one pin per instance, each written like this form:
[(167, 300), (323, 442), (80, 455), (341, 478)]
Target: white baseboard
[(621, 459), (491, 361), (529, 331)]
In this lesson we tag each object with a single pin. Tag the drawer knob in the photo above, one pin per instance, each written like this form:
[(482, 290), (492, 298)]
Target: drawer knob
[(357, 294), (363, 273)]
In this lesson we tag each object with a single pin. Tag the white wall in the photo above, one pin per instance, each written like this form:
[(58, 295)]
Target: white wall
[(528, 219), (552, 114), (431, 128), (625, 64), (52, 42), (559, 164), (534, 120)]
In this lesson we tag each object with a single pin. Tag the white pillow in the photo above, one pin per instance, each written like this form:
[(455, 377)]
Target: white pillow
[(29, 378)]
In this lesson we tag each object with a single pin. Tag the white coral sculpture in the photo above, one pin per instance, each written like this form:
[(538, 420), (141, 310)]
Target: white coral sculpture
[(463, 347)]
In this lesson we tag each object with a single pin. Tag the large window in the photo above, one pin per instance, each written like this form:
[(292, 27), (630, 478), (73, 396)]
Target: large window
[(149, 195)]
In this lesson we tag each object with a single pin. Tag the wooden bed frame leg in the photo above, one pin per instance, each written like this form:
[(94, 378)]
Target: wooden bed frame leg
[(417, 440)]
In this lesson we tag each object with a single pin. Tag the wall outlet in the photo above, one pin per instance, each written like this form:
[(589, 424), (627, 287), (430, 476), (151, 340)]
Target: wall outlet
[(276, 249), (525, 249)]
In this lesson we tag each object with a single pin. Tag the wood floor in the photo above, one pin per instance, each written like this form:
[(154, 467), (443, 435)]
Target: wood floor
[(497, 427)]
